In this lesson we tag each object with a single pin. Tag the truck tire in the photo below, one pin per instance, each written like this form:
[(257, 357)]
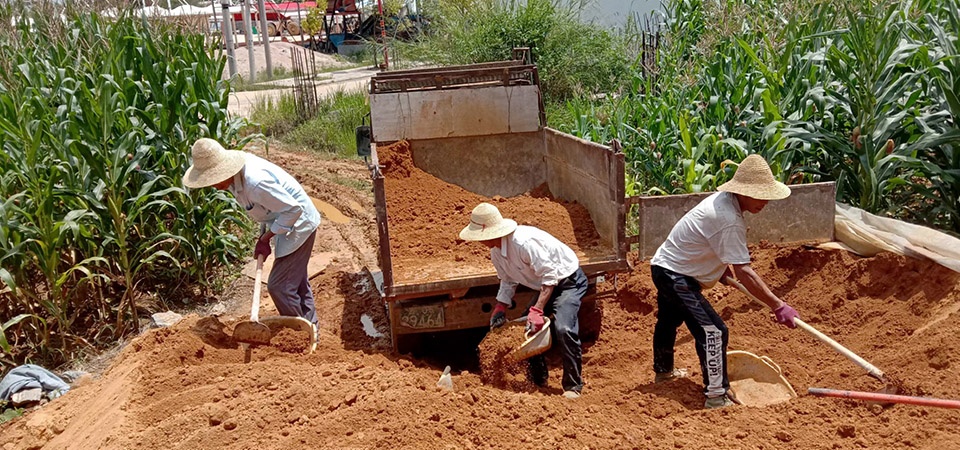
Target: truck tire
[(590, 318)]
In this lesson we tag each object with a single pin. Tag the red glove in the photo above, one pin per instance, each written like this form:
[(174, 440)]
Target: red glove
[(499, 316), (262, 248), (785, 315), (534, 319)]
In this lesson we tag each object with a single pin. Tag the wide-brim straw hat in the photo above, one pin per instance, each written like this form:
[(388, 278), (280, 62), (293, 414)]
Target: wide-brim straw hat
[(754, 179), (212, 164), (486, 223)]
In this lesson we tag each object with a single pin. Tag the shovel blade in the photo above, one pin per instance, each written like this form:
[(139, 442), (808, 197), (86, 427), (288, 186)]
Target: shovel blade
[(252, 333)]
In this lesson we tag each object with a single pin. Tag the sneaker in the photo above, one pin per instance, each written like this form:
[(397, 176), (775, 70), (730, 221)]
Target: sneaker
[(571, 395), (672, 375), (718, 402)]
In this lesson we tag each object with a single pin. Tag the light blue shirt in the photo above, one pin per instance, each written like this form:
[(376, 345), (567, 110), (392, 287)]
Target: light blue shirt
[(274, 198)]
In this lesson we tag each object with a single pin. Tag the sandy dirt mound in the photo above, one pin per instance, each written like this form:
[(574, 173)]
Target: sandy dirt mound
[(281, 57), (186, 387), (426, 215)]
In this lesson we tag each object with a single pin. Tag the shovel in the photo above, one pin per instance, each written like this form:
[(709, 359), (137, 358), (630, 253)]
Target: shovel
[(253, 331), (870, 368)]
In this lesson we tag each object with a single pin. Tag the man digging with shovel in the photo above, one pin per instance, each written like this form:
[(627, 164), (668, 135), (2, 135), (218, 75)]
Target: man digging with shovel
[(274, 198), (700, 250), (532, 257)]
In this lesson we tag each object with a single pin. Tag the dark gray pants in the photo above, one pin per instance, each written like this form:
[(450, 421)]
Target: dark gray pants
[(289, 283), (679, 301), (564, 304)]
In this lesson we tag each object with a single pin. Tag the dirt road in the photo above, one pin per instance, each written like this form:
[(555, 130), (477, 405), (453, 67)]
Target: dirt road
[(347, 80), (187, 386)]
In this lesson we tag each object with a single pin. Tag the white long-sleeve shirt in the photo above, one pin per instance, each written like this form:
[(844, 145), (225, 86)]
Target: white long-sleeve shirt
[(708, 238), (273, 197), (533, 258)]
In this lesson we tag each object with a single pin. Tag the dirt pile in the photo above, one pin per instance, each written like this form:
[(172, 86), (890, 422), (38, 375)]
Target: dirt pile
[(495, 369), (426, 215), (187, 386)]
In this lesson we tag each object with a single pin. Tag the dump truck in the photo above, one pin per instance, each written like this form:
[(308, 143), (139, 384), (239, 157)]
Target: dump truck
[(482, 127)]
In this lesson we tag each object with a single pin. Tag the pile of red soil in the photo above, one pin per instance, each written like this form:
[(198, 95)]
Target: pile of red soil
[(183, 388), (426, 214), (291, 341)]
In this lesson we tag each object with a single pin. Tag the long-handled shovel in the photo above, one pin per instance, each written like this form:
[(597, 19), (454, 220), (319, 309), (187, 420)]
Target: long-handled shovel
[(872, 370), (253, 331)]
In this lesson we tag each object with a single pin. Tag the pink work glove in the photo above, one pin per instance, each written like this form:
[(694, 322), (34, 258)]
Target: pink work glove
[(785, 315), (262, 248), (534, 320)]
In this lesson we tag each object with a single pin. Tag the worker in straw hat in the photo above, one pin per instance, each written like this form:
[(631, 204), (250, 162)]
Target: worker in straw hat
[(708, 243), (532, 257), (286, 213)]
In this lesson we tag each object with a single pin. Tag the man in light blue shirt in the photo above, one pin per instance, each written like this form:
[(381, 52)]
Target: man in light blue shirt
[(274, 198)]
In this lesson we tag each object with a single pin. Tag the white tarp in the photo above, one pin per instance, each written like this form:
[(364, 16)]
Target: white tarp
[(867, 234)]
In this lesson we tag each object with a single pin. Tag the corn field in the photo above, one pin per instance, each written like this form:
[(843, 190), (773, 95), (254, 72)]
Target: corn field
[(861, 93), (97, 117)]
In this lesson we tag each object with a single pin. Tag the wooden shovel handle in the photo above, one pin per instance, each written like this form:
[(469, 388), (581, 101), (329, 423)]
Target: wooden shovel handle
[(255, 308), (870, 368)]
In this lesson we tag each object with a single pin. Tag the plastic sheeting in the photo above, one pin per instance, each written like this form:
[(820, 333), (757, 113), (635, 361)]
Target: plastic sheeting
[(866, 234)]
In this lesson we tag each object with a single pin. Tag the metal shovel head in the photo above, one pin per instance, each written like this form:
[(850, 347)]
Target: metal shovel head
[(296, 323), (250, 332), (757, 380), (534, 345)]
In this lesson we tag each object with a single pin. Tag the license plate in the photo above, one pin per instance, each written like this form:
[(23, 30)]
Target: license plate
[(422, 316)]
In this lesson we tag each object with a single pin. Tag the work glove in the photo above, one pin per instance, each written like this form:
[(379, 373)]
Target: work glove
[(499, 316), (785, 315), (534, 320), (262, 248)]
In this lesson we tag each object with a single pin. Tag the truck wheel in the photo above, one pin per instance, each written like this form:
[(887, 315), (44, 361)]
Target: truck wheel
[(590, 318)]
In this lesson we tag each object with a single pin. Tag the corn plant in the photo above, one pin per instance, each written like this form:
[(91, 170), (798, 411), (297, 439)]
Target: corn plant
[(96, 121)]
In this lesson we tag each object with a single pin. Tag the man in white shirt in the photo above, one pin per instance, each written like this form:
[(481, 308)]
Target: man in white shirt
[(700, 250), (532, 257), (274, 198)]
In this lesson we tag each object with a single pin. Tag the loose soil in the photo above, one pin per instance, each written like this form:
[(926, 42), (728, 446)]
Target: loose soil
[(426, 215), (495, 369), (188, 387)]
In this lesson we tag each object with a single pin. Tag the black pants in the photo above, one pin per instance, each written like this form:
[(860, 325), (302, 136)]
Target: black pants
[(564, 303), (679, 301)]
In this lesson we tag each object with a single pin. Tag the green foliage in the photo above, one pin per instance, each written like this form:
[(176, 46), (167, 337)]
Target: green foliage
[(96, 122), (573, 58), (860, 93), (331, 131)]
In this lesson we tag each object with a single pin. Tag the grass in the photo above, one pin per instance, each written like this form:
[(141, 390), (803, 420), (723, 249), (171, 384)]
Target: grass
[(331, 131)]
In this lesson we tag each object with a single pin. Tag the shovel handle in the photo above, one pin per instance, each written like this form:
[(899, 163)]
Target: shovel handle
[(255, 308), (872, 370), (878, 397)]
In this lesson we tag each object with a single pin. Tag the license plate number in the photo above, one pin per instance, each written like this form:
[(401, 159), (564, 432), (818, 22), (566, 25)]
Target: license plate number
[(422, 317)]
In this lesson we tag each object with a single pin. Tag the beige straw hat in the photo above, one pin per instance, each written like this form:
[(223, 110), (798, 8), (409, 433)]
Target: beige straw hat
[(755, 180), (212, 164), (486, 223)]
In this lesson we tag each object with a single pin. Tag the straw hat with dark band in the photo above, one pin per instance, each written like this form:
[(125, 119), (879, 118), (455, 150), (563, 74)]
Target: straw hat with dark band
[(212, 164), (755, 180), (486, 223)]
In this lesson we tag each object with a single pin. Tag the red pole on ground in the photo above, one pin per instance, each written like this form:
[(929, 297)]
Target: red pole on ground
[(383, 36), (877, 397)]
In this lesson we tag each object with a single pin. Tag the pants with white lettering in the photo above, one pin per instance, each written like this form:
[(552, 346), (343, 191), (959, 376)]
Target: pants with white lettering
[(679, 301), (289, 283), (564, 304)]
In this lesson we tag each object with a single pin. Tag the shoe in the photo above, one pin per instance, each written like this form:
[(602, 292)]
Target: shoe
[(571, 395), (672, 375), (718, 402)]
